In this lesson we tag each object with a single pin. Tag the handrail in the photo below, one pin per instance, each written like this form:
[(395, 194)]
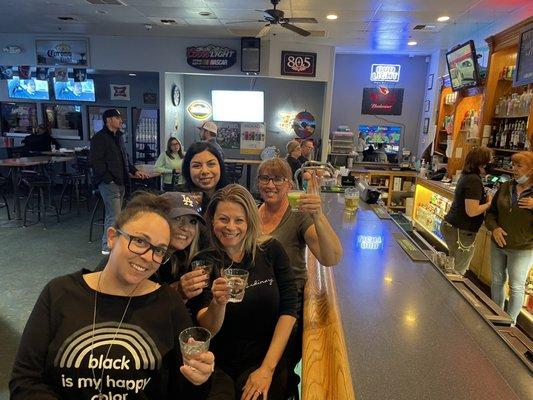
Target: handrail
[(325, 367)]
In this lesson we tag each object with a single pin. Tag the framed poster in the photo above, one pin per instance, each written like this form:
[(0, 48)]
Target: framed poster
[(95, 119), (377, 103), (295, 63), (119, 92), (62, 52), (524, 59), (18, 119), (64, 120), (229, 135), (253, 137)]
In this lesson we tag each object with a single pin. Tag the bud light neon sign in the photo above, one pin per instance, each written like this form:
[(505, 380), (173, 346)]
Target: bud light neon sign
[(385, 73)]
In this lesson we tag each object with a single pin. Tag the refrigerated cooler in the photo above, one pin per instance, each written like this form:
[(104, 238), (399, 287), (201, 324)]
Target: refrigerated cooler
[(145, 140)]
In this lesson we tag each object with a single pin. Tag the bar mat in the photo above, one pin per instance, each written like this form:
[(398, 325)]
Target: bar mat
[(380, 211), (411, 250)]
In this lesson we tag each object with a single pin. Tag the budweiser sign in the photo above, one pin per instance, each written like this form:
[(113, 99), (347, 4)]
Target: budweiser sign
[(211, 57)]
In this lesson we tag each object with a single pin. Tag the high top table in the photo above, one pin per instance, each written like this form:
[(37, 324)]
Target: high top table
[(248, 164), (23, 162), (380, 326)]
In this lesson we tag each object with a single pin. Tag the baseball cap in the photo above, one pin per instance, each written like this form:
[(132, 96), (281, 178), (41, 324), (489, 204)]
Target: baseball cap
[(209, 126), (182, 204), (112, 112)]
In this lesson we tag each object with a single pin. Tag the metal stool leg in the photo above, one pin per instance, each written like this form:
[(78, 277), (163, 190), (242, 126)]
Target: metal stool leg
[(7, 206), (95, 208), (26, 206)]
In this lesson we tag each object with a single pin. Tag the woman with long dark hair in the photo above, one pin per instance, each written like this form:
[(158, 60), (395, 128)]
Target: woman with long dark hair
[(169, 164), (465, 216)]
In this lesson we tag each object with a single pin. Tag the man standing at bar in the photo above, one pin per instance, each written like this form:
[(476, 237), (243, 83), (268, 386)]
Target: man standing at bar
[(111, 168), (208, 133), (306, 146)]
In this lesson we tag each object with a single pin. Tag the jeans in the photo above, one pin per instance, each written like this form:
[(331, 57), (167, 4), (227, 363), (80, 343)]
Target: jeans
[(516, 264), (112, 196), (462, 257)]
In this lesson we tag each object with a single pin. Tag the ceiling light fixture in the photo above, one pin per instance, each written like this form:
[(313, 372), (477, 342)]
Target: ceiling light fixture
[(444, 18), (66, 18), (168, 21), (132, 74), (412, 43), (332, 17), (204, 13)]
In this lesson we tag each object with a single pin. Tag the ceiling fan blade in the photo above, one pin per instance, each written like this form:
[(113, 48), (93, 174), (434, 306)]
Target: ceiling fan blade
[(302, 20), (264, 30), (243, 22), (296, 29)]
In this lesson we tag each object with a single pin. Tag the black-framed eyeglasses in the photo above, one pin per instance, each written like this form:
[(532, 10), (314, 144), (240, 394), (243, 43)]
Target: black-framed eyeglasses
[(276, 180), (141, 246)]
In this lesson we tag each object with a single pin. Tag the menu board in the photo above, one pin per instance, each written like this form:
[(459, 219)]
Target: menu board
[(524, 61)]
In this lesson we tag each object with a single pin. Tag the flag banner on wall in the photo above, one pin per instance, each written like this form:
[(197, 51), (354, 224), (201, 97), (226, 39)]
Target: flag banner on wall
[(80, 74), (253, 137), (61, 74), (41, 73), (120, 92), (376, 102), (6, 72), (229, 135), (24, 72)]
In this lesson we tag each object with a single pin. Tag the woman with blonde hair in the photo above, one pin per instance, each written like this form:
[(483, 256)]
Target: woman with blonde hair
[(510, 219), (463, 220), (255, 331)]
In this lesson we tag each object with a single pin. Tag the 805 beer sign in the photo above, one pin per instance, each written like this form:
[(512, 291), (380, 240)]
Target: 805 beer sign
[(298, 64)]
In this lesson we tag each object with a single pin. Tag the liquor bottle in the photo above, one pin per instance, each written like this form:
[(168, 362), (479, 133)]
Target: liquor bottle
[(503, 140), (498, 138), (492, 139)]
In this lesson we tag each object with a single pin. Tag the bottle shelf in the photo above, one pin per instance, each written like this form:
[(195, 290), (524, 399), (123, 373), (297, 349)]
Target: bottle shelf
[(505, 171), (511, 117), (505, 150)]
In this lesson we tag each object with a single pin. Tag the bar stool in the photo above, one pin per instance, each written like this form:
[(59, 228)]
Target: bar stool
[(73, 182), (42, 185), (233, 172), (3, 184), (100, 221)]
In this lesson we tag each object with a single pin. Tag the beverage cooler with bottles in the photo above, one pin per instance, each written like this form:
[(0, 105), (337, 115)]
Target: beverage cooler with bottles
[(146, 142)]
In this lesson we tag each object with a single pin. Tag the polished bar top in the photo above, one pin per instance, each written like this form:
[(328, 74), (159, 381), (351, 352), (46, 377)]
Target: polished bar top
[(409, 333)]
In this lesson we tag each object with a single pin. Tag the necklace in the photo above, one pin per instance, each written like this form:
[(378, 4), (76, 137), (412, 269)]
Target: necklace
[(100, 384)]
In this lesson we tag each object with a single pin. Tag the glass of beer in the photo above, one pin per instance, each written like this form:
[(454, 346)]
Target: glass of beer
[(294, 196), (351, 199)]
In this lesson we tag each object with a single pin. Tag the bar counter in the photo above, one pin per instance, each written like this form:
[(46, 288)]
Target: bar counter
[(380, 326)]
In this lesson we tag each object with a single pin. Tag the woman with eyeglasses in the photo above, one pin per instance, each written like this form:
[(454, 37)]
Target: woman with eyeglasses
[(113, 333), (463, 220), (295, 230), (510, 219), (169, 164), (250, 344)]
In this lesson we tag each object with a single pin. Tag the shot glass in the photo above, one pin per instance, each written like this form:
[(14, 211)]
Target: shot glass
[(237, 281), (207, 266), (194, 341), (294, 196)]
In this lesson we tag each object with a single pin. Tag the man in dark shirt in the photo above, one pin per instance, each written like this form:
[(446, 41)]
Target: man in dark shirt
[(307, 146), (111, 168), (39, 141)]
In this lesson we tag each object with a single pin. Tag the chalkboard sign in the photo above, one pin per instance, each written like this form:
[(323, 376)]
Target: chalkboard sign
[(524, 61)]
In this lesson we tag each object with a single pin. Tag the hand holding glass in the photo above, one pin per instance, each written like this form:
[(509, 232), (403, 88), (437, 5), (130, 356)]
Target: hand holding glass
[(237, 281), (294, 197), (194, 341), (206, 266)]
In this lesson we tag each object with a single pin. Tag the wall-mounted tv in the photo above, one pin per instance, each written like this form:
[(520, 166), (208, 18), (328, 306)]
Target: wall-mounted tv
[(74, 91), (462, 66), (238, 105), (33, 89), (388, 135)]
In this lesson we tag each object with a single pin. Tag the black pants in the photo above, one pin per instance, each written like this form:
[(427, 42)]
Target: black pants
[(228, 387)]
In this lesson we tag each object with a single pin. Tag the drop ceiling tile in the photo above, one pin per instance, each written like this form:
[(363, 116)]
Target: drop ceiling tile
[(171, 12), (333, 5), (447, 7)]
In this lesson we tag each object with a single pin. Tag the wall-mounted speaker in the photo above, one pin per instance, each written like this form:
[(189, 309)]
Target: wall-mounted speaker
[(250, 55)]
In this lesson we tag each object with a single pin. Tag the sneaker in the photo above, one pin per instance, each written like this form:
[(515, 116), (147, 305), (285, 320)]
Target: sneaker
[(105, 252)]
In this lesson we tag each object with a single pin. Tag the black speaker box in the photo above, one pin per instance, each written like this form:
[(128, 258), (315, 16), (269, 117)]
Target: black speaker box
[(250, 54)]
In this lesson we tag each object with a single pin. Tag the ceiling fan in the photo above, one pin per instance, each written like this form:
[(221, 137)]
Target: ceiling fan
[(277, 17)]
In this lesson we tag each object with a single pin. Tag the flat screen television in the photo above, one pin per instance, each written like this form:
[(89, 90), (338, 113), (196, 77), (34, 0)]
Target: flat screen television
[(390, 136), (462, 66), (74, 91), (33, 89), (238, 105)]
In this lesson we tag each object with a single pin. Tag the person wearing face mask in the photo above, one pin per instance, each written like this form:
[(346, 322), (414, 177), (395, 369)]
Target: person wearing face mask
[(510, 219), (465, 217), (112, 333)]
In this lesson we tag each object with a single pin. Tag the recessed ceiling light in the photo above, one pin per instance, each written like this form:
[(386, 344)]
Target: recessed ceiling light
[(332, 16), (444, 18), (66, 18), (204, 13), (132, 74), (103, 12), (168, 21), (412, 43)]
